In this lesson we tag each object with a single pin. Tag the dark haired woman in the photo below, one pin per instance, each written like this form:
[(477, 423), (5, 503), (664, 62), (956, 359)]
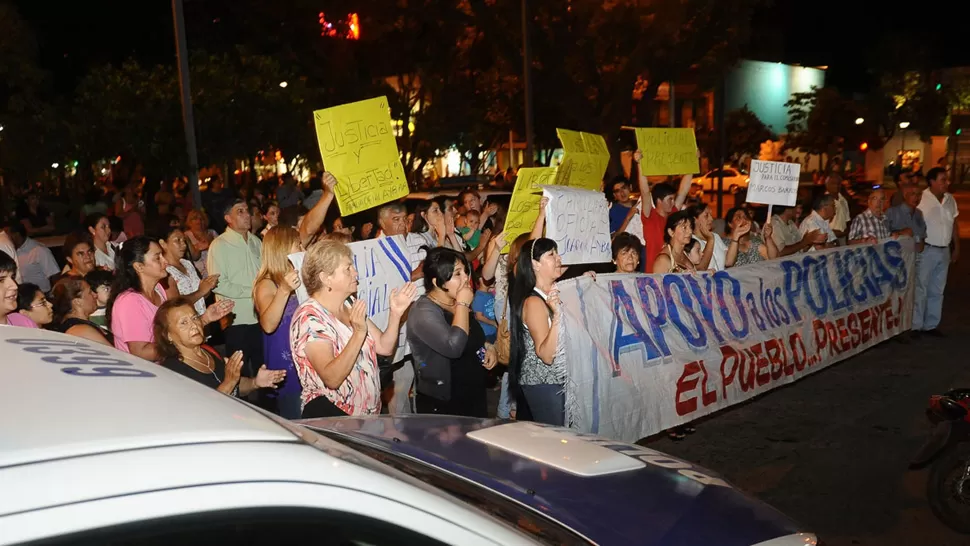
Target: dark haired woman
[(746, 247), (677, 233), (137, 293), (537, 366), (99, 227), (33, 304), (180, 344), (447, 344), (8, 295), (74, 301)]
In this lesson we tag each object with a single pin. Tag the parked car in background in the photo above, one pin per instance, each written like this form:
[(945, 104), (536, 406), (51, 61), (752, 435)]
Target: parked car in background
[(734, 180)]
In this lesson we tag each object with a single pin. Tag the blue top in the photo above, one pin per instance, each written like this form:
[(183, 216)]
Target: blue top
[(667, 501), (618, 213), (484, 303), (901, 217), (277, 353)]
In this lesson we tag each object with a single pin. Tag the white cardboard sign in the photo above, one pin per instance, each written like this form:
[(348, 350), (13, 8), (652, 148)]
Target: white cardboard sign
[(773, 183), (579, 221)]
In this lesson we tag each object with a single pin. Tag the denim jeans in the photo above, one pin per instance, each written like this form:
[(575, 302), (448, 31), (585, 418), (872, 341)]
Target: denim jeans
[(931, 270), (547, 403), (289, 405), (504, 404)]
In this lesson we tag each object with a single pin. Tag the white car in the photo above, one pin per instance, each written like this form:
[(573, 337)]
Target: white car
[(99, 447), (734, 180)]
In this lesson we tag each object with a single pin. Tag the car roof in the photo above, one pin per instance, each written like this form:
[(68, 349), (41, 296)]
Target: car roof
[(666, 501), (63, 396)]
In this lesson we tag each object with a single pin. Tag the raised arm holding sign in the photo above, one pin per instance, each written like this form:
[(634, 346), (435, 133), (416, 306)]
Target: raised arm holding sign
[(585, 159), (358, 146)]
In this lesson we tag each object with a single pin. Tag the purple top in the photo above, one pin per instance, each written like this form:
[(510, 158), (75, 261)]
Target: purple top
[(276, 350)]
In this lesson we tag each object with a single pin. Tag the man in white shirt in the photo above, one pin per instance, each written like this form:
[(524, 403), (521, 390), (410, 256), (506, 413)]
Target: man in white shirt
[(840, 219), (940, 213), (788, 239), (7, 246), (35, 262), (819, 220)]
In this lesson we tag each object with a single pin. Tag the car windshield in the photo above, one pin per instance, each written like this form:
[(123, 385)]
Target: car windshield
[(521, 517)]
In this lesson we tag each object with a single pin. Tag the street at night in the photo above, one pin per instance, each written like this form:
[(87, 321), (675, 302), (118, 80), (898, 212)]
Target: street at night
[(832, 450)]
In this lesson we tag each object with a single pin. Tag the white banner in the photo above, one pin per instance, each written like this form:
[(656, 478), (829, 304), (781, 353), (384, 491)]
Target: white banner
[(635, 225), (773, 183), (649, 352), (579, 221), (382, 265)]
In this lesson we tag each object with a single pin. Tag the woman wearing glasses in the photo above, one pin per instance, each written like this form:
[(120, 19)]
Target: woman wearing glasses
[(33, 304), (179, 340)]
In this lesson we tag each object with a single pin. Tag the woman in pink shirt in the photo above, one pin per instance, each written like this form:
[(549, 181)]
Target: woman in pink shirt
[(8, 295), (137, 293)]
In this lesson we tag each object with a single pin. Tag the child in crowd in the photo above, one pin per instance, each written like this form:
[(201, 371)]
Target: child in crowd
[(484, 307), (469, 224), (100, 282), (693, 251)]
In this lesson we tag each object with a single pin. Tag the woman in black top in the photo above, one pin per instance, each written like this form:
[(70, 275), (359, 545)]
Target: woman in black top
[(180, 341), (34, 217), (74, 301), (448, 345)]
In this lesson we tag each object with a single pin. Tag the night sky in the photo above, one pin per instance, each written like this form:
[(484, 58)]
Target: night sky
[(847, 36)]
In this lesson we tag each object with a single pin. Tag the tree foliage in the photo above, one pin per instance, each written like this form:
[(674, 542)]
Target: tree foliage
[(745, 133)]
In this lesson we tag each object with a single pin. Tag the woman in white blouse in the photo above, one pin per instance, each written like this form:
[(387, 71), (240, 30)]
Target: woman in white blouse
[(183, 278)]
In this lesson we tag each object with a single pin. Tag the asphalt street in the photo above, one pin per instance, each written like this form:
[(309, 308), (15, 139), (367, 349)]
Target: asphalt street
[(831, 451)]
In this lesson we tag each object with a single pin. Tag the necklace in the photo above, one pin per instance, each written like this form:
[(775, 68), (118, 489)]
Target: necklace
[(207, 366), (439, 303)]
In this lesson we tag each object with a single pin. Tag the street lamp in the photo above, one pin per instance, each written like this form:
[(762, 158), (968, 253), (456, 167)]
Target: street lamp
[(903, 124), (284, 84), (859, 121), (1, 128), (55, 165)]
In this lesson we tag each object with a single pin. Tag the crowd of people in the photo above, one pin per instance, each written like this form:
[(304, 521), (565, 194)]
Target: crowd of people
[(211, 293)]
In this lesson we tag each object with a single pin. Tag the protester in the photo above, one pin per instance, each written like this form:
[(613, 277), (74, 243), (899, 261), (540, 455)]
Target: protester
[(871, 226), (130, 209), (693, 251), (471, 200), (235, 257), (427, 231), (940, 213), (712, 247), (746, 247), (334, 344), (537, 365), (786, 236), (622, 203), (823, 210), (8, 289), (449, 347), (214, 201), (200, 237), (73, 303), (7, 247), (35, 261), (658, 204), (906, 219), (181, 346), (673, 258), (35, 218), (136, 295), (840, 219), (99, 227), (100, 281), (338, 226), (183, 278), (78, 254), (271, 216), (275, 297), (626, 252), (288, 194), (33, 304)]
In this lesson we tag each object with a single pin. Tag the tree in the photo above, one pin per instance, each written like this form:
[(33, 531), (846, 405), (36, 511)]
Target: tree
[(745, 134), (820, 122)]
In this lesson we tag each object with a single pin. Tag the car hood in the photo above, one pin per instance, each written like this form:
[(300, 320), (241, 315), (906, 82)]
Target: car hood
[(662, 502)]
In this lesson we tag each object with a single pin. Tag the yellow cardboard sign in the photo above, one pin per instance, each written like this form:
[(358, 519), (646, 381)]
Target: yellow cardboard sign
[(358, 146), (667, 151), (585, 159), (524, 206)]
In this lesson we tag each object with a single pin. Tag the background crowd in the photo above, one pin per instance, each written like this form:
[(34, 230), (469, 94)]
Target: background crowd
[(211, 293)]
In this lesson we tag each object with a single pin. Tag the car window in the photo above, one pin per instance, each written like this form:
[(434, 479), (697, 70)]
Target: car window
[(512, 513), (276, 526), (729, 172)]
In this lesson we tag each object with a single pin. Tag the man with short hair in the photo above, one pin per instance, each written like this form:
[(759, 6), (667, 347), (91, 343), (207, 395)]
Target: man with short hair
[(906, 218), (622, 203), (840, 219), (823, 210), (871, 226), (658, 203), (940, 214), (788, 239), (236, 256), (35, 261)]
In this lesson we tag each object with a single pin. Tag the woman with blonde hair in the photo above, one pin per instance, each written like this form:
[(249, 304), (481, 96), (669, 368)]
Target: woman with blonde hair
[(275, 300), (334, 344)]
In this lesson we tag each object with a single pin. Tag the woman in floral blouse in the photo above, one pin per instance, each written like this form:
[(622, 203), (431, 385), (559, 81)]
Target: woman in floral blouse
[(335, 345)]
